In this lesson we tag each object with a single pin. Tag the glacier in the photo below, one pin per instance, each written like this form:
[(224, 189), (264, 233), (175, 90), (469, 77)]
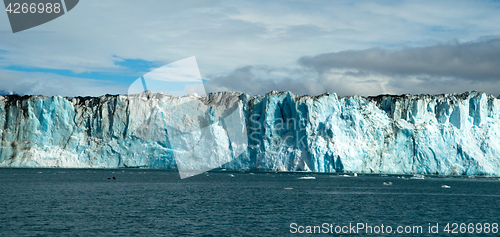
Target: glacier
[(447, 134)]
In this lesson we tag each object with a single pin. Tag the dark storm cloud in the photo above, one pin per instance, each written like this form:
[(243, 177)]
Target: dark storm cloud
[(473, 60)]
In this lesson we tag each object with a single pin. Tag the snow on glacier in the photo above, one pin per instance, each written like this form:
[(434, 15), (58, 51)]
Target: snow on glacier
[(451, 134)]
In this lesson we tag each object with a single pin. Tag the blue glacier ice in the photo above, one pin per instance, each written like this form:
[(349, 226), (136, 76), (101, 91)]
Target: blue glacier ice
[(448, 134)]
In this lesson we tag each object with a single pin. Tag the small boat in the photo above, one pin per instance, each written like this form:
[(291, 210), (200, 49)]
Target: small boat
[(288, 188), (387, 183), (445, 186), (307, 177), (232, 175)]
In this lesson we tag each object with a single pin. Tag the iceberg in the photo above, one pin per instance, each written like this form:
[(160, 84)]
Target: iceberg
[(447, 134)]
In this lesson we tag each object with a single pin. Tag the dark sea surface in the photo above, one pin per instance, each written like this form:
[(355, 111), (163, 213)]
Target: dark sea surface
[(84, 202)]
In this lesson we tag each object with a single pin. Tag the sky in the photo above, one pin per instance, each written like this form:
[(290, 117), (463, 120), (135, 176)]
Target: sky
[(306, 47)]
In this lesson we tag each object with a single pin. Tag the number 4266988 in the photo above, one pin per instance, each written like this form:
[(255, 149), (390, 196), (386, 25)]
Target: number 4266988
[(34, 8)]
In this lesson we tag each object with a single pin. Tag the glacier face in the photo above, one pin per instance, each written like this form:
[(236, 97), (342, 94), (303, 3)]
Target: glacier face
[(451, 134)]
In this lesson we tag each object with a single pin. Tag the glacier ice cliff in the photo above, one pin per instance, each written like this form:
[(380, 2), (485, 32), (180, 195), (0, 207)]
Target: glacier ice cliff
[(449, 134)]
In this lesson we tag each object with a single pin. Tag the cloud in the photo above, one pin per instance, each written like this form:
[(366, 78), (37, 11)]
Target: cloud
[(443, 68), (225, 35), (228, 36), (48, 84), (471, 60), (258, 80)]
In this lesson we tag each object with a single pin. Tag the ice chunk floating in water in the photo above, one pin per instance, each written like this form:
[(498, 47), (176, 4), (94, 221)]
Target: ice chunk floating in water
[(418, 176), (307, 177)]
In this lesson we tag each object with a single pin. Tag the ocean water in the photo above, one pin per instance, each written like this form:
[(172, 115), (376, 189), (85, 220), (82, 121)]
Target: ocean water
[(88, 202)]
